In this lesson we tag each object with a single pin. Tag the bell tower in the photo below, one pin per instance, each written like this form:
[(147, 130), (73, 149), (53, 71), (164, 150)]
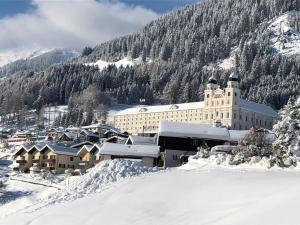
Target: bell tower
[(211, 87)]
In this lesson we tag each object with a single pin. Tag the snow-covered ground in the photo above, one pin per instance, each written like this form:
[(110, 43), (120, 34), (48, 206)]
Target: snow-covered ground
[(281, 29), (197, 193), (123, 62)]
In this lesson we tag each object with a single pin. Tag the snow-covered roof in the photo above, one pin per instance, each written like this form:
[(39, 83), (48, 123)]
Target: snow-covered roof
[(130, 150), (25, 147), (71, 135), (87, 147), (237, 135), (161, 108), (79, 145), (139, 140), (62, 150), (203, 131), (258, 108), (89, 133)]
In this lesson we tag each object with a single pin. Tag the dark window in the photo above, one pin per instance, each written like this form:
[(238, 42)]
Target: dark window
[(207, 96), (228, 93), (71, 159), (235, 94)]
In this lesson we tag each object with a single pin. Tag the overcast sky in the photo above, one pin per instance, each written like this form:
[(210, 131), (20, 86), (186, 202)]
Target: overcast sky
[(74, 23)]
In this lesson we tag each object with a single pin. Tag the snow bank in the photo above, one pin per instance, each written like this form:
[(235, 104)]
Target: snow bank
[(100, 177), (227, 161)]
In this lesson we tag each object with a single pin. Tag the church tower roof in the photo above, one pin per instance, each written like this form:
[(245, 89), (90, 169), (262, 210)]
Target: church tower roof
[(234, 77), (212, 80)]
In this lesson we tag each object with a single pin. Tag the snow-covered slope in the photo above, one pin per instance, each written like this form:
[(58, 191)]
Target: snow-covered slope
[(202, 194), (123, 62), (285, 39), (16, 54)]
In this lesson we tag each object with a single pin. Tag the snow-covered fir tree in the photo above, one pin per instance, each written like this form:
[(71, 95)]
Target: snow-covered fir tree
[(288, 129)]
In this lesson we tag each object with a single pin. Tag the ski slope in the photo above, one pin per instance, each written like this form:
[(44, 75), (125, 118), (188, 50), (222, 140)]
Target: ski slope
[(199, 193)]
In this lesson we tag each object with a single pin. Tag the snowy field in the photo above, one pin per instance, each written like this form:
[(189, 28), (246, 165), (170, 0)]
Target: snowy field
[(197, 193)]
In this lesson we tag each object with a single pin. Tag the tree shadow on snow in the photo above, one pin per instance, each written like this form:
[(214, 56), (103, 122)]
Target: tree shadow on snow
[(9, 196)]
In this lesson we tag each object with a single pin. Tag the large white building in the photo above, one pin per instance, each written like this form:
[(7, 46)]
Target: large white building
[(222, 106)]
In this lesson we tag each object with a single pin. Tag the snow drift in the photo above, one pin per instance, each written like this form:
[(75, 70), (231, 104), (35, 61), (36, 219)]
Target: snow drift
[(99, 178)]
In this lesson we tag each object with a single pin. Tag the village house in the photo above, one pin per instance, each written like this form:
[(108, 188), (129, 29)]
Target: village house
[(68, 136), (140, 140), (86, 135), (116, 140), (178, 141), (148, 154), (87, 157), (58, 158), (220, 105), (22, 158)]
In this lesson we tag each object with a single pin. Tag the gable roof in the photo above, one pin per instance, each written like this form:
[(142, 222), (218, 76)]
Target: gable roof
[(81, 144), (87, 147), (258, 108), (61, 150), (140, 140), (130, 150), (25, 147), (89, 133)]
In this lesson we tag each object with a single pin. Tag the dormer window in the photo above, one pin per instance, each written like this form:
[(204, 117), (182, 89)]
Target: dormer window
[(174, 107), (143, 110)]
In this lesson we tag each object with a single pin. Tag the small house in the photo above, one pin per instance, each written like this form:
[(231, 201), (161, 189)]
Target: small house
[(140, 140), (86, 135), (178, 141), (148, 154), (59, 158)]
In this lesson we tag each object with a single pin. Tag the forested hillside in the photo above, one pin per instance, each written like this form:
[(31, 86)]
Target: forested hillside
[(179, 52), (38, 63)]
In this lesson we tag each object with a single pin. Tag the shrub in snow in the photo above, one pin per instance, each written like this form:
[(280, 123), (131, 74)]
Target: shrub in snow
[(203, 153), (255, 159), (220, 158)]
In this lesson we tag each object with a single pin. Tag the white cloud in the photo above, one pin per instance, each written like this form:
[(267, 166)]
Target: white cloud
[(71, 23)]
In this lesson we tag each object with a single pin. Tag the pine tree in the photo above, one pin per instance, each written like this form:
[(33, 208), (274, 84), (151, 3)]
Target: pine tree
[(288, 128)]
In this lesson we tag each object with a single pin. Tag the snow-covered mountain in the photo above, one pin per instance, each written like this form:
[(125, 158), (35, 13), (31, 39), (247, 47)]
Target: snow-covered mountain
[(10, 56), (32, 60)]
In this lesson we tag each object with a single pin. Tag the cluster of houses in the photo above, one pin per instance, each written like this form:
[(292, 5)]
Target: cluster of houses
[(75, 149)]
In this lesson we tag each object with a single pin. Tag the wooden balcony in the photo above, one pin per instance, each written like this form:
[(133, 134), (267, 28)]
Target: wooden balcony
[(21, 161), (35, 161), (49, 160)]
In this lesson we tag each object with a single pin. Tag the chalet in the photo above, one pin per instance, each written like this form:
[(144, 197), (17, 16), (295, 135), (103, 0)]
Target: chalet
[(116, 140), (86, 135), (68, 136), (54, 133), (115, 132), (87, 157), (22, 158), (104, 130), (148, 154), (140, 140), (95, 152), (58, 158), (180, 140)]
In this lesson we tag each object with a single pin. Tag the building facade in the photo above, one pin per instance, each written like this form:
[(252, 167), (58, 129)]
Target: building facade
[(220, 106)]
